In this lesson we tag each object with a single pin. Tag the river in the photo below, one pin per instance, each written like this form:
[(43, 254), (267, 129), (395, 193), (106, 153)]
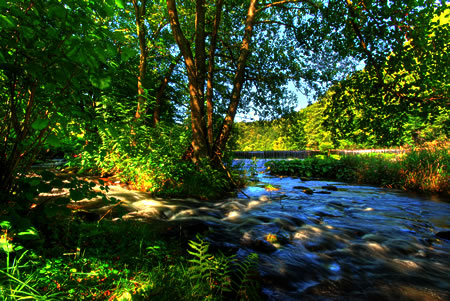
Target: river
[(354, 243), (320, 240)]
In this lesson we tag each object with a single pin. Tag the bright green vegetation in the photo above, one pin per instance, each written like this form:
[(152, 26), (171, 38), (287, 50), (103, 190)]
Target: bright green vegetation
[(99, 261), (148, 91), (402, 100), (419, 170)]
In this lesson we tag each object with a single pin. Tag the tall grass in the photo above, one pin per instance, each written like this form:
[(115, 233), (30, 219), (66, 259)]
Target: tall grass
[(422, 169), (426, 169)]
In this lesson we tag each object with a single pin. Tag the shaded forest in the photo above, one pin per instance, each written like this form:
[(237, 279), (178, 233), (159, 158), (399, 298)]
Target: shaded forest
[(143, 95)]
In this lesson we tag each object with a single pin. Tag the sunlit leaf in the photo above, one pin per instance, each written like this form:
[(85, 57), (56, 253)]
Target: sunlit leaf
[(6, 22), (5, 224), (101, 82), (28, 234), (120, 3)]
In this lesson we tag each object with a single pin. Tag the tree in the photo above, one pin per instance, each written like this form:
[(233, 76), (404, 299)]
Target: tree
[(315, 43), (404, 99), (45, 72)]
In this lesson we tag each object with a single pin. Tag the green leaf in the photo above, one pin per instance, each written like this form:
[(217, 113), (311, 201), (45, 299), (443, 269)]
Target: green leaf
[(47, 175), (53, 141), (35, 182), (40, 124), (6, 22), (29, 234), (62, 201), (5, 224), (126, 54), (57, 183), (44, 187), (2, 58), (57, 12), (101, 82), (120, 3)]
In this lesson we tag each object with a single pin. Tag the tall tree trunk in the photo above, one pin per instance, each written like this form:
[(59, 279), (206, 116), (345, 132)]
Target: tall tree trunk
[(196, 76), (238, 83), (162, 89), (140, 27), (209, 84), (199, 142)]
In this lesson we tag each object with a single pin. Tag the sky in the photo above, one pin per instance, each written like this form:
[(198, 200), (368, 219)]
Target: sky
[(302, 102)]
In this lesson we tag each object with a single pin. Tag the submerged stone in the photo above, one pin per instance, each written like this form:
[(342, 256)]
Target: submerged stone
[(308, 191), (323, 192), (330, 187)]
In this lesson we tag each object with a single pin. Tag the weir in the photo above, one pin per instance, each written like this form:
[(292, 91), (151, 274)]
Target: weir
[(301, 154)]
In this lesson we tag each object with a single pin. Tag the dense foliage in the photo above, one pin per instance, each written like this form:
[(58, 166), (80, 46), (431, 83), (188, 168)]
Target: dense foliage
[(148, 91), (402, 99)]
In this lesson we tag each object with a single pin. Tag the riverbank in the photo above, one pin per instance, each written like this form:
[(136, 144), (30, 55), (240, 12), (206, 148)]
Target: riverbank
[(137, 248), (424, 170), (287, 245)]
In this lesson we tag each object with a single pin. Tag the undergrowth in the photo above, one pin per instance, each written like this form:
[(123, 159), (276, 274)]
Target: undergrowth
[(425, 169), (151, 162), (120, 261)]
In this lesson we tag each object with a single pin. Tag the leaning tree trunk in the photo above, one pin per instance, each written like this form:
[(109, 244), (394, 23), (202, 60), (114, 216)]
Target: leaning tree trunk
[(225, 130), (161, 90), (199, 142), (140, 27), (210, 78)]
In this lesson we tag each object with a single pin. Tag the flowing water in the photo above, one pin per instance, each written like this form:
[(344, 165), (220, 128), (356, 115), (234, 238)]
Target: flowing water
[(322, 240), (356, 242)]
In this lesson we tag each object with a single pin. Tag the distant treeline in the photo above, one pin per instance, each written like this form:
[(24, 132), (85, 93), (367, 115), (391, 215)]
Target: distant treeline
[(321, 127)]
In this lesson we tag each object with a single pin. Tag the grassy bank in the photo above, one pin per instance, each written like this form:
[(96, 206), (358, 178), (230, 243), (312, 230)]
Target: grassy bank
[(425, 169), (117, 261)]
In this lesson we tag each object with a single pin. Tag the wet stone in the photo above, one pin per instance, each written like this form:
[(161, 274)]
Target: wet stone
[(443, 235), (323, 192), (330, 187), (308, 191), (324, 214), (401, 246), (285, 224), (374, 237), (264, 219), (337, 205)]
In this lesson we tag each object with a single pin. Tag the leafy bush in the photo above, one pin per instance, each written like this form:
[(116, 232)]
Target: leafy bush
[(151, 159)]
